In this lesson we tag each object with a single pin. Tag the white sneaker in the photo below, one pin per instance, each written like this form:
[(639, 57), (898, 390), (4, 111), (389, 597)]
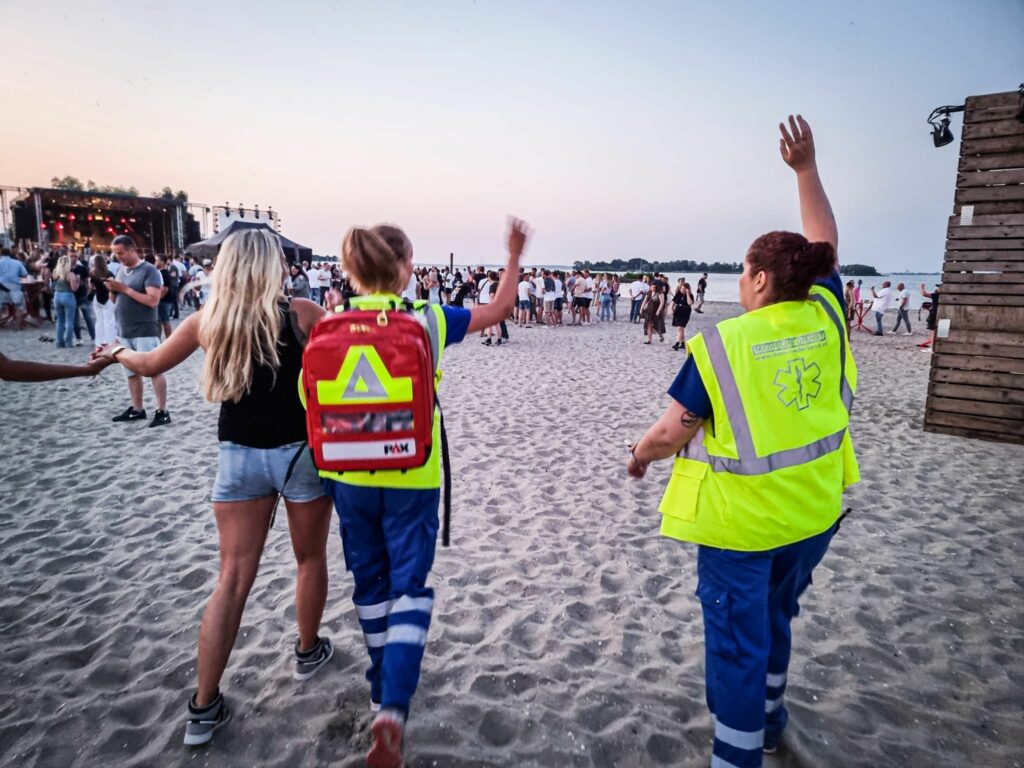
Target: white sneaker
[(908, 333)]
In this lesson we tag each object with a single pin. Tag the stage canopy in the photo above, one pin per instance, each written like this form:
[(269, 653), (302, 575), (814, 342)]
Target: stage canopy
[(207, 249)]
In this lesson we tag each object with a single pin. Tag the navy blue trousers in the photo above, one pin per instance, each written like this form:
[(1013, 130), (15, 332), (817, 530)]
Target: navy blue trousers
[(388, 536), (748, 600)]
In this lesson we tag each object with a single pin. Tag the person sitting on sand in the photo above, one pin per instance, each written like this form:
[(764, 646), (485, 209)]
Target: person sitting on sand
[(759, 427), (253, 338), (389, 518)]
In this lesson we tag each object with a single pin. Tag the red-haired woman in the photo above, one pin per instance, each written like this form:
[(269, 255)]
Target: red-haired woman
[(758, 424)]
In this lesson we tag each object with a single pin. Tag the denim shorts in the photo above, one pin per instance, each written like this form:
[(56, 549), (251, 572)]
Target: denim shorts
[(245, 473), (524, 304), (164, 311), (139, 344)]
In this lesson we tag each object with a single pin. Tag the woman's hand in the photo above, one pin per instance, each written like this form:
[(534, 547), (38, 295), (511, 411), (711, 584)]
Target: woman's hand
[(518, 234), (635, 468), (797, 144), (97, 364), (104, 353)]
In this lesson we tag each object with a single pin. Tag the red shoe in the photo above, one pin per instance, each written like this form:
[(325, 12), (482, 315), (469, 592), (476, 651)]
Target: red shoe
[(387, 730)]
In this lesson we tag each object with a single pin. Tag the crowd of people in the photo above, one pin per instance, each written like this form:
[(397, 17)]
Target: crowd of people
[(886, 298)]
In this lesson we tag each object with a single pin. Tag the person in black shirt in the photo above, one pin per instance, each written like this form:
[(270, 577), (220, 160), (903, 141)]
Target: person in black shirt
[(702, 286), (933, 314), (165, 309), (83, 298)]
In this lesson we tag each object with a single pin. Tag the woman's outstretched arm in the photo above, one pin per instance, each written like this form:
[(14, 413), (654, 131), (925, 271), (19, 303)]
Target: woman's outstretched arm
[(797, 149), (485, 315), (182, 343)]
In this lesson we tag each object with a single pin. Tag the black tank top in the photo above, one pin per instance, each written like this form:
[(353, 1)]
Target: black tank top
[(270, 414)]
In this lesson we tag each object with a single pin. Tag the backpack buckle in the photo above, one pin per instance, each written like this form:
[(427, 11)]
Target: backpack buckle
[(382, 318)]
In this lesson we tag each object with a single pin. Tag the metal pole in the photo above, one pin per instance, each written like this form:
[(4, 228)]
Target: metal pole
[(451, 262), (39, 218)]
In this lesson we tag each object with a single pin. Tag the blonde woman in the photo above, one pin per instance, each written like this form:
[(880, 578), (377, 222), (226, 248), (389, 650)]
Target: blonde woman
[(65, 283), (253, 339)]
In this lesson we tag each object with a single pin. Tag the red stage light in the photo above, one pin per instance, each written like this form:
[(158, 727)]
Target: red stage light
[(60, 226), (122, 221), (110, 230), (106, 218), (89, 217), (71, 217), (43, 225)]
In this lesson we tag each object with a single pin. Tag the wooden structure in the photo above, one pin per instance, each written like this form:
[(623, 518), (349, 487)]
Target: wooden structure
[(976, 386)]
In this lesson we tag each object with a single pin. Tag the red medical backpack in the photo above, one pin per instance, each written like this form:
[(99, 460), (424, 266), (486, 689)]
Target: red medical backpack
[(368, 381)]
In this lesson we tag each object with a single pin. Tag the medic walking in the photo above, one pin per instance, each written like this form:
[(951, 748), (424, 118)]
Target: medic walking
[(759, 428), (375, 429)]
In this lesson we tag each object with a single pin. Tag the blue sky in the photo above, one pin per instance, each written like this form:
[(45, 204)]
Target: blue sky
[(616, 129)]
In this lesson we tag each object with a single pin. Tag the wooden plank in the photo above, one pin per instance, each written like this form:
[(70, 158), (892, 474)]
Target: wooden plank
[(993, 206), (988, 130), (956, 264), (990, 100), (1006, 112), (978, 363), (983, 194), (993, 146), (991, 162), (990, 288), (986, 394), (953, 253), (980, 318), (989, 220), (976, 232), (947, 347), (973, 434), (983, 301), (1013, 381), (993, 244), (1009, 411), (1011, 338), (989, 178), (983, 278), (971, 421)]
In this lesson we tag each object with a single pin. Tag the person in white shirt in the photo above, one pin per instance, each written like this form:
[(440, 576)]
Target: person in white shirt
[(637, 289), (881, 304), (559, 294), (902, 309), (409, 294), (525, 288), (538, 297), (313, 276), (588, 297)]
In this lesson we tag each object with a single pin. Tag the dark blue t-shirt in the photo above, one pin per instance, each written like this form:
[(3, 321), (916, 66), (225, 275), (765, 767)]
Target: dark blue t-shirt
[(457, 319), (688, 388)]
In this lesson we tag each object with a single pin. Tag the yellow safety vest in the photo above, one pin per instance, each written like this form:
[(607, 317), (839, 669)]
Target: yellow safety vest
[(429, 475), (770, 466)]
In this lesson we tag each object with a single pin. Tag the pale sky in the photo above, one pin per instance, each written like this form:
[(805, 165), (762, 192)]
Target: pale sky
[(618, 130)]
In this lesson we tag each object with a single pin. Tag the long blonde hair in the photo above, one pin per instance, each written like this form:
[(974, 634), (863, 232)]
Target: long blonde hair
[(241, 322), (63, 268)]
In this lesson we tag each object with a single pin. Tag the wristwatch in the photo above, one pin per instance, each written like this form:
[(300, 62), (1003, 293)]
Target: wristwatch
[(632, 453), (117, 350)]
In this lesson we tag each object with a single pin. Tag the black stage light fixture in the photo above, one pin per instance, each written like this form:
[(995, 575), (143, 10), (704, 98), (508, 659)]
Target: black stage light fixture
[(939, 121)]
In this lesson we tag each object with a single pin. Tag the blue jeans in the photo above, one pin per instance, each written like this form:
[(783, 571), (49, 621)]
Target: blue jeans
[(902, 316), (748, 601), (85, 307), (634, 309), (314, 294), (66, 306), (388, 536), (606, 308)]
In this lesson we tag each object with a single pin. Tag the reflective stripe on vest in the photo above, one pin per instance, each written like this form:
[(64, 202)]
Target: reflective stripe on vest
[(749, 463), (722, 492)]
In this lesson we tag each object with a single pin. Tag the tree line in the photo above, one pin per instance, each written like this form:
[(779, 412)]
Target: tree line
[(72, 184), (641, 266)]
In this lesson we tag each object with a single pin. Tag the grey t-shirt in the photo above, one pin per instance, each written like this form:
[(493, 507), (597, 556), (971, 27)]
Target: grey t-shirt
[(136, 320)]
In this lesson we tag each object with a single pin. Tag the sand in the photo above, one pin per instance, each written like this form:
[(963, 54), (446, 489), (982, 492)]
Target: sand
[(565, 633)]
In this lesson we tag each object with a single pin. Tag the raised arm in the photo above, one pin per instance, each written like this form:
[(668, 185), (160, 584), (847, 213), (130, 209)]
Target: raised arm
[(182, 343), (797, 149), (485, 315)]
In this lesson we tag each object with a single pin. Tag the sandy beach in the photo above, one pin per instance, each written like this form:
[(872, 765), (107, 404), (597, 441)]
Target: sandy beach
[(566, 632)]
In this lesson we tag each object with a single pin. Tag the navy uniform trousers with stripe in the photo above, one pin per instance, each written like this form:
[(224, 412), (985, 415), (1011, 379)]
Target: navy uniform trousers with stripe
[(388, 536), (748, 600)]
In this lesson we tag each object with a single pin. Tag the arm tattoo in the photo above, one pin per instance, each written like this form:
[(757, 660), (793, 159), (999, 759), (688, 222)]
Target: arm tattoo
[(689, 420)]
